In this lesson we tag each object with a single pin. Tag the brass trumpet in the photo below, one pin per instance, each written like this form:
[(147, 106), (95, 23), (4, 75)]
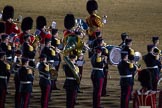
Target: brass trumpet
[(17, 20)]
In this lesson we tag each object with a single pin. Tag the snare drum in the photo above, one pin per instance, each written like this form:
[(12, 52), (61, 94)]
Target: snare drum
[(114, 54)]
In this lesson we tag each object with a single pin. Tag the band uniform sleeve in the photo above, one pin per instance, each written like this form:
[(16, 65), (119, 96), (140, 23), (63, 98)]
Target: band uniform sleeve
[(97, 21)]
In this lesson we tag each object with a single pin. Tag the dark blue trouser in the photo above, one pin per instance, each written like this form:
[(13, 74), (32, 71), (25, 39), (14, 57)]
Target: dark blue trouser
[(104, 83), (125, 96), (70, 98), (2, 97), (24, 99), (97, 90), (45, 92)]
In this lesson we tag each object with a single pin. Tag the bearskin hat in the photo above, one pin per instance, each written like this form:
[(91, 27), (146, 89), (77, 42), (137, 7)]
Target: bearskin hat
[(69, 21), (2, 27), (91, 6), (40, 22), (8, 12), (144, 77), (27, 24)]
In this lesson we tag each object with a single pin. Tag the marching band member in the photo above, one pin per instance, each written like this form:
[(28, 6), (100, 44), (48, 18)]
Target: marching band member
[(26, 26), (124, 36), (94, 21), (101, 44), (145, 96), (8, 51), (4, 71), (16, 67), (153, 64), (72, 42), (131, 58), (55, 41), (126, 80), (50, 52), (44, 82), (41, 30), (26, 83), (7, 16), (28, 50), (97, 76), (12, 28), (71, 85)]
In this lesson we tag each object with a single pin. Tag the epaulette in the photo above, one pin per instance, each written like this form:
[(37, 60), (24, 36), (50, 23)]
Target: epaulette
[(53, 53), (97, 16), (31, 48), (46, 67), (98, 59), (9, 47), (57, 41), (131, 51), (130, 65), (8, 67)]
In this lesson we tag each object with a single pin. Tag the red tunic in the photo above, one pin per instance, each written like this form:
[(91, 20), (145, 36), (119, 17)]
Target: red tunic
[(94, 22), (43, 36), (12, 28), (32, 38)]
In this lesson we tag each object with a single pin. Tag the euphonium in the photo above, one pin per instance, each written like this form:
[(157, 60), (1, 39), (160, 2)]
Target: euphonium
[(53, 72), (73, 43)]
